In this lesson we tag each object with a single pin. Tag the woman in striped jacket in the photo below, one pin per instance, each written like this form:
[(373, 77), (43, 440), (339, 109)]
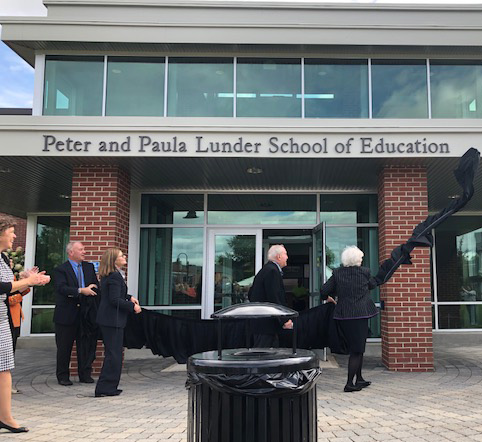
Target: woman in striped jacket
[(351, 284)]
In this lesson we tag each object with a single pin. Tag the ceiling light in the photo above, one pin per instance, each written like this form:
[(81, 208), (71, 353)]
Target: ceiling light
[(65, 197), (254, 170), (4, 170), (453, 197)]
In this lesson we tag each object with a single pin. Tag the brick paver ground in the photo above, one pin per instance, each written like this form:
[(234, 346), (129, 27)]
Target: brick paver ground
[(443, 405)]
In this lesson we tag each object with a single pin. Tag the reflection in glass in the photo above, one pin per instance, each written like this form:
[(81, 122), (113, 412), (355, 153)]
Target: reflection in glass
[(234, 258), (366, 239), (336, 88), (399, 89), (52, 238), (268, 87), (200, 87), (348, 209), (460, 316), (170, 266), (172, 209), (459, 260), (73, 85), (261, 209), (42, 320), (135, 86), (456, 89)]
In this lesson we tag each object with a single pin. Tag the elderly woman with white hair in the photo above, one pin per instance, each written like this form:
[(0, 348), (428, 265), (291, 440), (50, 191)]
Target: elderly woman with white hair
[(351, 284)]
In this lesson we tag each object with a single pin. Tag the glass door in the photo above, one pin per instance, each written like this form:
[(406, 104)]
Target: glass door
[(234, 258), (319, 264)]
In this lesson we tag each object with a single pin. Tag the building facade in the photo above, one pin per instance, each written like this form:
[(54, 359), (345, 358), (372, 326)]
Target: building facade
[(194, 134)]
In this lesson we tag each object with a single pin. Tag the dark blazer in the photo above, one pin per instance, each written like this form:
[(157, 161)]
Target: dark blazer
[(67, 299), (352, 285), (115, 304), (268, 285)]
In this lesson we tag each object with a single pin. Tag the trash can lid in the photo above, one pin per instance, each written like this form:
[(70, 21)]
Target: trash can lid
[(251, 310)]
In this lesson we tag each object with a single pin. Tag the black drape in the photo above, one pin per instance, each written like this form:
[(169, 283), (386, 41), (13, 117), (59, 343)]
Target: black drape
[(179, 337)]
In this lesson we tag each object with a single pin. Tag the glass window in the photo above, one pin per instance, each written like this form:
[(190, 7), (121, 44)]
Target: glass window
[(172, 209), (348, 209), (170, 267), (185, 314), (73, 85), (365, 238), (135, 86), (336, 88), (261, 209), (268, 87), (42, 320), (200, 87), (456, 89), (460, 316), (459, 259), (52, 238), (399, 89)]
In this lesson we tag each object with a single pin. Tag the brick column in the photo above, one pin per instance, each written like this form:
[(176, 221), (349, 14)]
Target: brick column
[(406, 321), (99, 219)]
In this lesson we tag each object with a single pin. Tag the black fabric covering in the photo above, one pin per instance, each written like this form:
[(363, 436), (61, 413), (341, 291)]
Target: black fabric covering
[(180, 338), (422, 234)]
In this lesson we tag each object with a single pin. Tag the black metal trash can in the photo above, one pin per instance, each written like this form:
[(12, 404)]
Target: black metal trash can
[(253, 395)]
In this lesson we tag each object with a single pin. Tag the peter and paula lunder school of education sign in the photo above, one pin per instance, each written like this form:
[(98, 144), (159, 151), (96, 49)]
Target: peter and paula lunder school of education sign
[(253, 145)]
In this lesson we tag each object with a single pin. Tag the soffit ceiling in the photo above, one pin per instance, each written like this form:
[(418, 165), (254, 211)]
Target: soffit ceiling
[(37, 184)]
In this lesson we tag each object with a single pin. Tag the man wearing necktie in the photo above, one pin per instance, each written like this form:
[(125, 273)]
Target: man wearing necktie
[(76, 289), (268, 287)]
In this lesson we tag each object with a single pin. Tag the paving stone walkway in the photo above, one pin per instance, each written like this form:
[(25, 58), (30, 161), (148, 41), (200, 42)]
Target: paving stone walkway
[(442, 405)]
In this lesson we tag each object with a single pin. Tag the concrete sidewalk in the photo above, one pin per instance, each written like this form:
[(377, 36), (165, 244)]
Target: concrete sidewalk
[(443, 405)]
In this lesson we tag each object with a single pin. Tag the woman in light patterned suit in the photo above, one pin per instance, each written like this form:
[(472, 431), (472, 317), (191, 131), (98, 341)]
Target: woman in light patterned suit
[(8, 285)]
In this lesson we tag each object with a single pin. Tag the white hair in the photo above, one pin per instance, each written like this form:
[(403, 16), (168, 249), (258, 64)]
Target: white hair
[(69, 246), (351, 256), (275, 250)]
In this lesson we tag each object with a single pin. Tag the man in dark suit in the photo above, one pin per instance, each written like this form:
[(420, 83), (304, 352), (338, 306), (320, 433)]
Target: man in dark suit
[(268, 287), (75, 290)]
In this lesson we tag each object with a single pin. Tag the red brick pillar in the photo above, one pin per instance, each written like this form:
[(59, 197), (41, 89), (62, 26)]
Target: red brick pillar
[(99, 219), (406, 321)]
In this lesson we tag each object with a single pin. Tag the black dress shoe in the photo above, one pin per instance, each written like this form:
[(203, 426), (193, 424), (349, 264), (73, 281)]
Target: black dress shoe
[(13, 429), (119, 391), (350, 388), (362, 384), (88, 380), (113, 393), (65, 382)]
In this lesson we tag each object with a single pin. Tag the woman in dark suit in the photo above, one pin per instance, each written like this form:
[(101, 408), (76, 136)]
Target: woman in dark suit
[(352, 283), (114, 307)]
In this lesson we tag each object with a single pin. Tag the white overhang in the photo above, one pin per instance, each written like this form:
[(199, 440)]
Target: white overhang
[(109, 25)]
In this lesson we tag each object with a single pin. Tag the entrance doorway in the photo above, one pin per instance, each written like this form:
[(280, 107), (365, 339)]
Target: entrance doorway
[(234, 256)]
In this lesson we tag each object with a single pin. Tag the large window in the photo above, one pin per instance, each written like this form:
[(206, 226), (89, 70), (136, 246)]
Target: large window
[(399, 89), (458, 300), (52, 238), (336, 88), (456, 89), (262, 87), (268, 88), (261, 209), (200, 87), (170, 266), (73, 85), (135, 86)]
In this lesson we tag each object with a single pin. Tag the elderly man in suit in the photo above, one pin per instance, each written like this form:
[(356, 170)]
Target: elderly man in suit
[(75, 290), (268, 287)]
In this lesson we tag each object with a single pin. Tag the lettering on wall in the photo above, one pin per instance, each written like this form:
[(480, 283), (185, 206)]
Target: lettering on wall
[(266, 146)]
